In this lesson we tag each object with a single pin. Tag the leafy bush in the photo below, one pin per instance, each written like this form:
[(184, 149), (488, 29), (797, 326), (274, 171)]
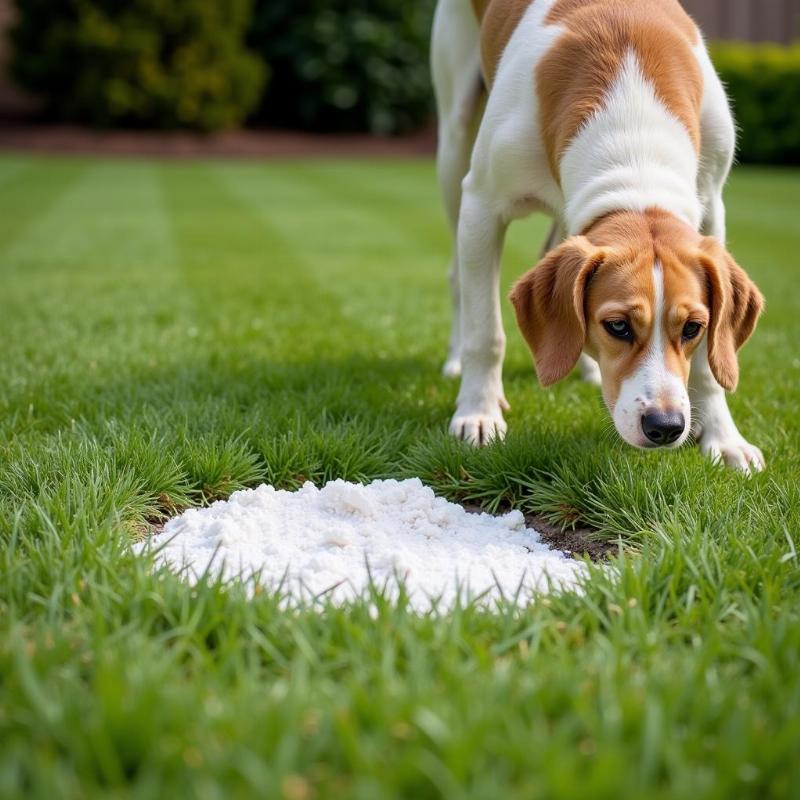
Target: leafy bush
[(763, 83), (345, 64), (139, 62)]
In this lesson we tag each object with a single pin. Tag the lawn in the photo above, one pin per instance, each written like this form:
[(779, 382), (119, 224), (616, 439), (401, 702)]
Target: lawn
[(175, 331)]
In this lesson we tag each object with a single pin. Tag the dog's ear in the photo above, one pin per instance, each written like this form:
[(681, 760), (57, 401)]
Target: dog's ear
[(736, 305), (549, 304)]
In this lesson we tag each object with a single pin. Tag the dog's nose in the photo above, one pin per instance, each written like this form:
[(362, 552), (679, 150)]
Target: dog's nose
[(663, 428)]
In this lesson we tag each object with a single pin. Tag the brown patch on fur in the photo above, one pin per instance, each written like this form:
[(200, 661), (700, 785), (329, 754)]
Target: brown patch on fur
[(736, 304), (623, 290), (479, 7), (562, 303), (672, 9), (575, 75), (685, 300), (549, 304), (499, 20)]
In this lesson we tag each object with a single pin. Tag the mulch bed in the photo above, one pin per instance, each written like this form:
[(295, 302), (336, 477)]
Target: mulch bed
[(29, 137)]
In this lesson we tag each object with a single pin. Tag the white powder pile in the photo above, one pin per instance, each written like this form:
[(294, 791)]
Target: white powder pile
[(327, 542)]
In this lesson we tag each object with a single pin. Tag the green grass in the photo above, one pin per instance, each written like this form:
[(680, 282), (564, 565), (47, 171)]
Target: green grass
[(172, 332)]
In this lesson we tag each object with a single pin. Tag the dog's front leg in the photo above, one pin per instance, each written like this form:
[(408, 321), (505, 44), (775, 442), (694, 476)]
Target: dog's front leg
[(481, 401), (713, 425)]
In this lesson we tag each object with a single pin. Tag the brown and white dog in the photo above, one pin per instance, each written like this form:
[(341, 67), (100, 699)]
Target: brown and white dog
[(607, 115)]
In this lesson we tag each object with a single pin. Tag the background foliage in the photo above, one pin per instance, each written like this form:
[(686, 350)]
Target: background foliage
[(764, 86), (345, 64), (333, 65), (152, 63)]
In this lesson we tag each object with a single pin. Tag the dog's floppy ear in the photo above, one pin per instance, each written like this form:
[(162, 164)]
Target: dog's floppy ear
[(736, 304), (549, 304)]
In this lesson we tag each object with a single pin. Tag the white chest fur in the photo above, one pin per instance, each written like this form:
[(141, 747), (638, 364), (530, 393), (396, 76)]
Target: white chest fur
[(632, 154)]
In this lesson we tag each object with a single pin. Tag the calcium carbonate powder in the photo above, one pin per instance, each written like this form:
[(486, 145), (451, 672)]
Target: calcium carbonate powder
[(332, 542)]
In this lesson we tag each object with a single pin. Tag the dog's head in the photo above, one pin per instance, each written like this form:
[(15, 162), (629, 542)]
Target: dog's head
[(640, 293)]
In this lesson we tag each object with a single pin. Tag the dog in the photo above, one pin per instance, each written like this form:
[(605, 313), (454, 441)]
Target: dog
[(608, 116)]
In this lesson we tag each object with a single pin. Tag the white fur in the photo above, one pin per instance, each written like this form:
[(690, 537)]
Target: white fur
[(455, 66), (718, 145), (713, 424), (633, 154), (652, 385)]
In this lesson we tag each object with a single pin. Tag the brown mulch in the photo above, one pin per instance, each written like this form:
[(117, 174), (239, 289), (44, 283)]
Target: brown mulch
[(28, 137)]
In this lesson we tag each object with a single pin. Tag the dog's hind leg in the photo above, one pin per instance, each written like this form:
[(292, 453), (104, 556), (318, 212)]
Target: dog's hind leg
[(455, 65), (553, 240)]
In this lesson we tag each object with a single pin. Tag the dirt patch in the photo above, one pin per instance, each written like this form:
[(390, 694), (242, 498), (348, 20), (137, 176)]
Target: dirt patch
[(576, 543), (29, 137)]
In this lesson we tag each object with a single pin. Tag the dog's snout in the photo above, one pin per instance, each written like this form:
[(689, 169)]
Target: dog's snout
[(663, 428)]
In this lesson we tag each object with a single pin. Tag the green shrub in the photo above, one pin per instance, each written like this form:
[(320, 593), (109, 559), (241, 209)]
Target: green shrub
[(345, 65), (763, 83), (157, 63)]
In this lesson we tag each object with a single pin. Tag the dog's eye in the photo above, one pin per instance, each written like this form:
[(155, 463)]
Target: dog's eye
[(691, 330), (619, 329)]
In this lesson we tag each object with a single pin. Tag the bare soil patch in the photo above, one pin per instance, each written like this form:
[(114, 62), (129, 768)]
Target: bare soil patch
[(577, 543)]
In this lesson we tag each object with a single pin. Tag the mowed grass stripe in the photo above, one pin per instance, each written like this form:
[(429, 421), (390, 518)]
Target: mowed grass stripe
[(362, 255), (29, 193), (10, 166), (280, 373), (407, 193), (241, 268), (84, 258), (403, 201), (357, 232)]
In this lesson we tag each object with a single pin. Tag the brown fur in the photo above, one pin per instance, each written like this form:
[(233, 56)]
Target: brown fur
[(736, 304), (499, 20), (608, 274), (479, 7), (575, 75), (549, 302)]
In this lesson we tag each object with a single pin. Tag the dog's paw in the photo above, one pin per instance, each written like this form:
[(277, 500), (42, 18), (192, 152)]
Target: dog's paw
[(479, 429), (452, 367), (735, 453)]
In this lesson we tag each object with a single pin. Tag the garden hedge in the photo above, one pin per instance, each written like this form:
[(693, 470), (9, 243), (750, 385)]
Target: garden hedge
[(358, 65), (155, 63), (763, 82), (334, 65)]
